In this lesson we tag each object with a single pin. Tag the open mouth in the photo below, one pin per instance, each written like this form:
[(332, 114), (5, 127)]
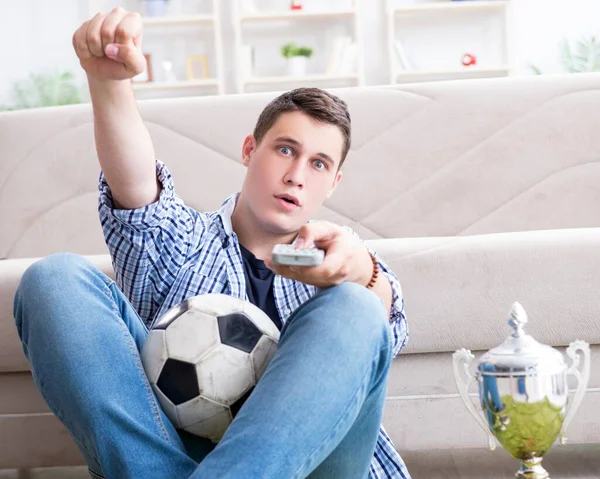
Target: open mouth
[(289, 199)]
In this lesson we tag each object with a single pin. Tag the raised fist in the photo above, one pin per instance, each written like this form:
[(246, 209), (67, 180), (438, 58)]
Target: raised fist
[(109, 46)]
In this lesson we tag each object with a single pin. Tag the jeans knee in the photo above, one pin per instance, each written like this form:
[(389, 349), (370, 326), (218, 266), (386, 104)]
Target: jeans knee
[(59, 266), (47, 274), (363, 312)]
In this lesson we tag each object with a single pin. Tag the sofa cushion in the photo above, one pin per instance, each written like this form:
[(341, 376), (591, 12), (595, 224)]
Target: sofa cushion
[(458, 291), (430, 159), (12, 358)]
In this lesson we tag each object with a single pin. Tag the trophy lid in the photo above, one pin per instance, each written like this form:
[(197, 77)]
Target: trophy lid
[(520, 354)]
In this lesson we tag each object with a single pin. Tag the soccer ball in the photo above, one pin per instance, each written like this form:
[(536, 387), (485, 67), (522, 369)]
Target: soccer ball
[(203, 358)]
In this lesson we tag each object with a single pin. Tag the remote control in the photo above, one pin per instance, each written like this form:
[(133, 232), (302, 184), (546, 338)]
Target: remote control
[(288, 255)]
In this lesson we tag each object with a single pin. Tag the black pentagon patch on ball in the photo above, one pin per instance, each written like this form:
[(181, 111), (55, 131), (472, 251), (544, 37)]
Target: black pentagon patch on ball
[(236, 406), (236, 330), (178, 381)]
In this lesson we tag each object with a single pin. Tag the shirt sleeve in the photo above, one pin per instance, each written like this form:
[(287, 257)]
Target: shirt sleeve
[(149, 245), (398, 322)]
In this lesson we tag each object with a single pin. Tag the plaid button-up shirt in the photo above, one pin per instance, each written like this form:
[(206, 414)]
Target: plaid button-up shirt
[(166, 252)]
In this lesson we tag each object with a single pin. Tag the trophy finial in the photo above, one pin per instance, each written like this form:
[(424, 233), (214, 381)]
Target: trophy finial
[(518, 319)]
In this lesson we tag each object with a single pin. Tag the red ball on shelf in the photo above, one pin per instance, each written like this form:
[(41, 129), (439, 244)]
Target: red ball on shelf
[(469, 59)]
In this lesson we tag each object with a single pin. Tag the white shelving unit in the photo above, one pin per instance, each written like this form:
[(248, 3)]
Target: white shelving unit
[(192, 22), (175, 85), (296, 15), (295, 79), (180, 20), (310, 20), (458, 14), (456, 6)]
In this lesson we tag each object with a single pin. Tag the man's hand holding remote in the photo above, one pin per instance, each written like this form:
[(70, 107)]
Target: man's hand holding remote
[(346, 258)]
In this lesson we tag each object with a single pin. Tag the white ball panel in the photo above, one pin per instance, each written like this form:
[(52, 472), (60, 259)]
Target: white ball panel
[(167, 406), (198, 410), (154, 354), (225, 374), (223, 304), (212, 428), (192, 335), (217, 304), (261, 355)]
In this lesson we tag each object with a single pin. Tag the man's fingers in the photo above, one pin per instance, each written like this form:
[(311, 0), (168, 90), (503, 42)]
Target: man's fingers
[(127, 37), (108, 30), (93, 36), (129, 29), (314, 233), (128, 55), (80, 42)]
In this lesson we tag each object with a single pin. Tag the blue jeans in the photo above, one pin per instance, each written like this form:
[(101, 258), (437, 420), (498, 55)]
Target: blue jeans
[(315, 412)]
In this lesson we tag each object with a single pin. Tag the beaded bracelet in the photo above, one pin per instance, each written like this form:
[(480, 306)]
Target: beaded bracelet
[(375, 274)]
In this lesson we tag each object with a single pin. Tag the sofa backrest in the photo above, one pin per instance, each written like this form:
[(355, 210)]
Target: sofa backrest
[(429, 159)]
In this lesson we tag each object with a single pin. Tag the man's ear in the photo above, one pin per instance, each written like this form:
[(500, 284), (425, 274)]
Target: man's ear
[(247, 149), (336, 181)]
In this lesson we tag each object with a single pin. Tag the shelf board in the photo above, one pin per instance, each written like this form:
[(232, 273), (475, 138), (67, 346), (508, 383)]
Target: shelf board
[(295, 15), (443, 71), (177, 85), (293, 79), (450, 73), (455, 6), (181, 20)]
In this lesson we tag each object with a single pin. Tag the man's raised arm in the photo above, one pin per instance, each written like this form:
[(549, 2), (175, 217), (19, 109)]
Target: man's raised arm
[(109, 50)]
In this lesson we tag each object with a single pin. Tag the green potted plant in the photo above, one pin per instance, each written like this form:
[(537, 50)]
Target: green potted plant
[(38, 90), (578, 57), (297, 58)]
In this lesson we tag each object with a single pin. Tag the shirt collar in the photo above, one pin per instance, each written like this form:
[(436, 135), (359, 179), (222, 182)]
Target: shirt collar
[(226, 211)]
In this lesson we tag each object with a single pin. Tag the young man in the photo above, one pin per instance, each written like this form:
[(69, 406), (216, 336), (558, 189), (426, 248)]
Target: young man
[(317, 409)]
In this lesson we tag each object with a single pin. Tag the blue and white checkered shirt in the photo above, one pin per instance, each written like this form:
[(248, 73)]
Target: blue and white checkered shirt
[(166, 252)]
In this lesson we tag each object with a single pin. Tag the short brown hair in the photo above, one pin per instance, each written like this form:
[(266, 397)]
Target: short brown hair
[(314, 102)]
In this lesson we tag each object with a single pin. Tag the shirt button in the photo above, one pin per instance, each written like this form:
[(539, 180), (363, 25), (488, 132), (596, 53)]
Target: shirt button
[(287, 312)]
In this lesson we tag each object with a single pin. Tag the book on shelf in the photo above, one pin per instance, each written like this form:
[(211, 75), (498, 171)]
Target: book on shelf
[(248, 61), (342, 60), (403, 61)]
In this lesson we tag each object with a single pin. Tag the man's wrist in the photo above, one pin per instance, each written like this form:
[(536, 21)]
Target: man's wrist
[(365, 268), (111, 92)]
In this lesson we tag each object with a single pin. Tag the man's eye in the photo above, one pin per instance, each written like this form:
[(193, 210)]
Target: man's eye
[(285, 150), (320, 164)]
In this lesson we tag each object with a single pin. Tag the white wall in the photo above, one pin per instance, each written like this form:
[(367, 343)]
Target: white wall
[(36, 35)]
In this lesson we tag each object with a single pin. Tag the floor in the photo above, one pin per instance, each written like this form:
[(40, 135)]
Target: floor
[(562, 462)]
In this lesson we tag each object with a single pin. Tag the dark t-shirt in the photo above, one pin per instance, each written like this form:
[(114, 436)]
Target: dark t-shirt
[(259, 285)]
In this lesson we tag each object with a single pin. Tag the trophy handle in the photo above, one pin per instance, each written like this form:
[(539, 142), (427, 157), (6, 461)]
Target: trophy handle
[(582, 376), (461, 364)]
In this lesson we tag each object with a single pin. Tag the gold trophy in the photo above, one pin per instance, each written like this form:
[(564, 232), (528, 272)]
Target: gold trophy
[(523, 393)]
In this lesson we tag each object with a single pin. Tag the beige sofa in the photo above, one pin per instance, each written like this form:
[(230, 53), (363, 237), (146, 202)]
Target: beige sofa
[(477, 193)]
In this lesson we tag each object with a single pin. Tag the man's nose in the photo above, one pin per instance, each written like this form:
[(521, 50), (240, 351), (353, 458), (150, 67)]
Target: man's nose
[(295, 173)]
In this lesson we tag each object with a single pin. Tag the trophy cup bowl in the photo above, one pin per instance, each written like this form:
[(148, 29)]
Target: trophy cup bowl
[(523, 393)]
